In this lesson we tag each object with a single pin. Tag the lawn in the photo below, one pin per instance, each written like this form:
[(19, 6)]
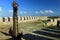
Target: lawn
[(30, 27), (24, 27)]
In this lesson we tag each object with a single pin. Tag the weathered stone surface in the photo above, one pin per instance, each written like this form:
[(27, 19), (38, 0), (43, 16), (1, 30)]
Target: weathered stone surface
[(29, 18)]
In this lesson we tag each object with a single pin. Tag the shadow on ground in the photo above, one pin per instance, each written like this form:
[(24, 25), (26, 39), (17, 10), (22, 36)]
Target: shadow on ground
[(30, 36), (9, 39), (50, 29), (6, 34), (47, 34), (34, 37)]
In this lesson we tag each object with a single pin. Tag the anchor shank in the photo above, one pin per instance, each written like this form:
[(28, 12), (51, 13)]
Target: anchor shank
[(15, 18)]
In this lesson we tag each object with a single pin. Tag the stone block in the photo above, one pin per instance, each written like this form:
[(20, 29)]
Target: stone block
[(1, 20)]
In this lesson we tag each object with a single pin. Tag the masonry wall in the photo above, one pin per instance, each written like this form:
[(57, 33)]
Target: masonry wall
[(21, 19), (53, 22), (27, 19)]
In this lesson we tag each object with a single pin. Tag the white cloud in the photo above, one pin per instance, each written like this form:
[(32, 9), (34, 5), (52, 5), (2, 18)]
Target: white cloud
[(1, 13), (37, 12), (23, 12), (10, 11), (45, 11), (51, 11), (41, 11), (48, 11), (0, 9)]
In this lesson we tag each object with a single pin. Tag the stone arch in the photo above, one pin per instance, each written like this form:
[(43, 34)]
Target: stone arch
[(8, 19)]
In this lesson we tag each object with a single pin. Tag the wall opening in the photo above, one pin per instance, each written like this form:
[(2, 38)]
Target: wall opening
[(3, 19), (8, 19), (24, 18), (27, 18), (20, 18)]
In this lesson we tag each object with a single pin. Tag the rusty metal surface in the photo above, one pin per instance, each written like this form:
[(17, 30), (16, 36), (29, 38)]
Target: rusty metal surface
[(15, 18)]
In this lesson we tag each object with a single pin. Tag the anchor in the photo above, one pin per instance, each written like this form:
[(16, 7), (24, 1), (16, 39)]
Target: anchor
[(14, 32)]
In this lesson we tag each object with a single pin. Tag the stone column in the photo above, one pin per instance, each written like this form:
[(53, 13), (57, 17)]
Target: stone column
[(25, 18), (1, 20), (11, 19), (6, 19), (55, 21), (22, 18), (18, 19)]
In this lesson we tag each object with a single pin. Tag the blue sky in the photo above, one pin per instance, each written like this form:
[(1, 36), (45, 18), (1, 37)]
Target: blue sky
[(31, 8)]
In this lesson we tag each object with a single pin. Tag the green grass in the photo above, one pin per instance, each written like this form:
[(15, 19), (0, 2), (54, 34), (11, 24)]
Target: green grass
[(29, 26), (24, 27)]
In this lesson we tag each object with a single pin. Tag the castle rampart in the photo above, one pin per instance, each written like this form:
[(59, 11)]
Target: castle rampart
[(29, 18)]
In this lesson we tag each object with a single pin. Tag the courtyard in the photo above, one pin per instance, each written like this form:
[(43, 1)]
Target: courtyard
[(33, 30)]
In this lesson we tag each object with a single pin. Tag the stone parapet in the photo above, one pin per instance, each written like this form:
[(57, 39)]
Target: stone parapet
[(20, 19)]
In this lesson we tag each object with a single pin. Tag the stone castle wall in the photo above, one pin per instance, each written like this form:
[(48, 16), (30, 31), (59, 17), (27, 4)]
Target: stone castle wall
[(53, 22), (28, 18), (22, 18)]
